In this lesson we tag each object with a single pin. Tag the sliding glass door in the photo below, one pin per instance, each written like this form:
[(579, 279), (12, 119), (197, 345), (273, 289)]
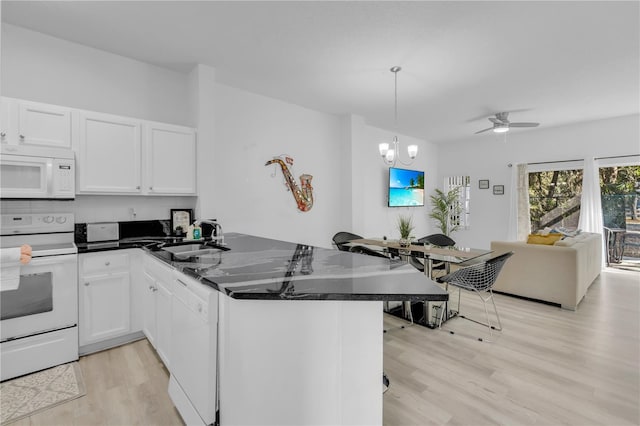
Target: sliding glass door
[(555, 198), (620, 189)]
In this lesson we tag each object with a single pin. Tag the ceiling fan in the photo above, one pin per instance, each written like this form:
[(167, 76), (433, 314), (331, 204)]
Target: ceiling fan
[(502, 124)]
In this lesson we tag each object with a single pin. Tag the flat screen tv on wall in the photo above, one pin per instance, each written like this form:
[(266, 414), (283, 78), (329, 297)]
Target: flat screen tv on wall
[(406, 188)]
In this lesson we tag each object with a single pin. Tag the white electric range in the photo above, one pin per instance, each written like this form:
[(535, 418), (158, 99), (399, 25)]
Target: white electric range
[(39, 318)]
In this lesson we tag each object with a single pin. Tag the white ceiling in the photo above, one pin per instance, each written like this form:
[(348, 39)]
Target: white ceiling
[(551, 62)]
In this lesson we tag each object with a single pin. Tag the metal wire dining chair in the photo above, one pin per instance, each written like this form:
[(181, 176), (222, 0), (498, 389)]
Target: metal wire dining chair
[(478, 278)]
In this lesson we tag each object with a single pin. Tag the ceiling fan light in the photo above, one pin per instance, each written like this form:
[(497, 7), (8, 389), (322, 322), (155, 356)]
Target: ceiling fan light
[(501, 129), (413, 151)]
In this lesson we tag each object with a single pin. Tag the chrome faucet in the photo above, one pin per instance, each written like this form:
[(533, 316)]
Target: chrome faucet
[(216, 232)]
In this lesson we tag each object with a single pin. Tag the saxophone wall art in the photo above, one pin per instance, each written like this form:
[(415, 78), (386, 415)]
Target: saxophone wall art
[(303, 194)]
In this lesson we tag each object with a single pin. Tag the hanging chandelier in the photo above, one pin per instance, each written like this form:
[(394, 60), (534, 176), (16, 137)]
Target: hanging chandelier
[(392, 154)]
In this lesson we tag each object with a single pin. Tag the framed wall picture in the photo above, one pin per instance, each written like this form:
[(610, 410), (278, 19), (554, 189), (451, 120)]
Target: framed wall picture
[(180, 220), (483, 184), (498, 189)]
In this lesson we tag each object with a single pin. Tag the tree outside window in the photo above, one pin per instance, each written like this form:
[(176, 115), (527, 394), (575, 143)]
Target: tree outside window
[(554, 198)]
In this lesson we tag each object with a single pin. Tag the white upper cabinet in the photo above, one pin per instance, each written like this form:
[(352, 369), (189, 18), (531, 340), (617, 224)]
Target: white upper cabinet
[(35, 124), (121, 155), (114, 154), (170, 159), (108, 154)]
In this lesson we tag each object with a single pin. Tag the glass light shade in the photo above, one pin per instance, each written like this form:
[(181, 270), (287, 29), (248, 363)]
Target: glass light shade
[(384, 148), (413, 151), (391, 154), (501, 129)]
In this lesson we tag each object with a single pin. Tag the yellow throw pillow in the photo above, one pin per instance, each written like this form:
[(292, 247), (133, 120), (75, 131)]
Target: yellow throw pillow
[(548, 239)]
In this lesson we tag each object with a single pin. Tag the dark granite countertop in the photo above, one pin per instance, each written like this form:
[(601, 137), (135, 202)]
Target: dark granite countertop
[(125, 243), (261, 268)]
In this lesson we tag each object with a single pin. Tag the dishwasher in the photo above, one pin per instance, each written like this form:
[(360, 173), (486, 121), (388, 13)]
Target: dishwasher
[(192, 385)]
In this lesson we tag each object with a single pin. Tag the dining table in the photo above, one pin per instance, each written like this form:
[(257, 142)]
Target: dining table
[(459, 256)]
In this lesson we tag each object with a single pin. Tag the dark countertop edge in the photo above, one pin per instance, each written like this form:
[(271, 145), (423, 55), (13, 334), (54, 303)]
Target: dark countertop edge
[(387, 297), (338, 296), (275, 296)]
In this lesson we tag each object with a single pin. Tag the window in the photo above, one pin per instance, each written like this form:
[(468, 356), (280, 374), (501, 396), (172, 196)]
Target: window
[(459, 216), (554, 198)]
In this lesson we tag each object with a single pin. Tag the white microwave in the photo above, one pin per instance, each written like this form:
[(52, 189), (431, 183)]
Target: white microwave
[(32, 172)]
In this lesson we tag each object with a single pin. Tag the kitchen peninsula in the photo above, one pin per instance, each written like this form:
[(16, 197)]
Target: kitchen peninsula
[(299, 328)]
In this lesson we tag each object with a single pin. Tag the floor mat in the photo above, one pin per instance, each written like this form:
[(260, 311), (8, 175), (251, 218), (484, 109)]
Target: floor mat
[(27, 395)]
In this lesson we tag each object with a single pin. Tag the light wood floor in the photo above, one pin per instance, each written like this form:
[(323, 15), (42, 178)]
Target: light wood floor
[(547, 367), (125, 386)]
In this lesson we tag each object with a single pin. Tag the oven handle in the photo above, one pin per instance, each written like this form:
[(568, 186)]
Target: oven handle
[(51, 260)]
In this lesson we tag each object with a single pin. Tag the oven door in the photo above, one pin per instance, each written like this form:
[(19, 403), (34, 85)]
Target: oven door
[(25, 177), (45, 300)]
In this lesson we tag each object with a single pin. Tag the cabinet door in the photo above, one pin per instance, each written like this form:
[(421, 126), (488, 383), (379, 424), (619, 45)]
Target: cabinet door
[(104, 307), (109, 154), (163, 321), (149, 308), (7, 121), (170, 159), (44, 125)]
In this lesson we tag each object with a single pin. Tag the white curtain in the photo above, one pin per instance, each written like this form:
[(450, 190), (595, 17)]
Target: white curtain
[(519, 217), (590, 202)]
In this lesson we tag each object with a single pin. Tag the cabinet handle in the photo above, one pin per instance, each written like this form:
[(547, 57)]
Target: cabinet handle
[(181, 282), (138, 187), (199, 307), (22, 137), (86, 284), (151, 188), (107, 263), (3, 134)]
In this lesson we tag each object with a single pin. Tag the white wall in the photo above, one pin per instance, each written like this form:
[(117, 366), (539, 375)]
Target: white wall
[(250, 197), (46, 69), (370, 215), (202, 94), (487, 157), (237, 133), (349, 178)]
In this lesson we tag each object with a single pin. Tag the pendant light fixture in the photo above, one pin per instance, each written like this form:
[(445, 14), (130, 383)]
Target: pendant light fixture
[(392, 154)]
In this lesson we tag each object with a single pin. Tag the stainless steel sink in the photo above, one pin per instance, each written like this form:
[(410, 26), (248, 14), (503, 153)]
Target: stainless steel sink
[(183, 247), (193, 249)]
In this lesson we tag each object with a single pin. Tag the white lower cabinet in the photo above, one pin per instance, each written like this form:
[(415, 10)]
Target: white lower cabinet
[(104, 296), (157, 305), (127, 291)]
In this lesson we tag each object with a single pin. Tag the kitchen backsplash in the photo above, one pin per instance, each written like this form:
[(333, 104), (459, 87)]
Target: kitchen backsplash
[(102, 208)]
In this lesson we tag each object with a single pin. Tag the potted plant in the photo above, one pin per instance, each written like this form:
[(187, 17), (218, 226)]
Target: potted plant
[(405, 227), (444, 206)]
